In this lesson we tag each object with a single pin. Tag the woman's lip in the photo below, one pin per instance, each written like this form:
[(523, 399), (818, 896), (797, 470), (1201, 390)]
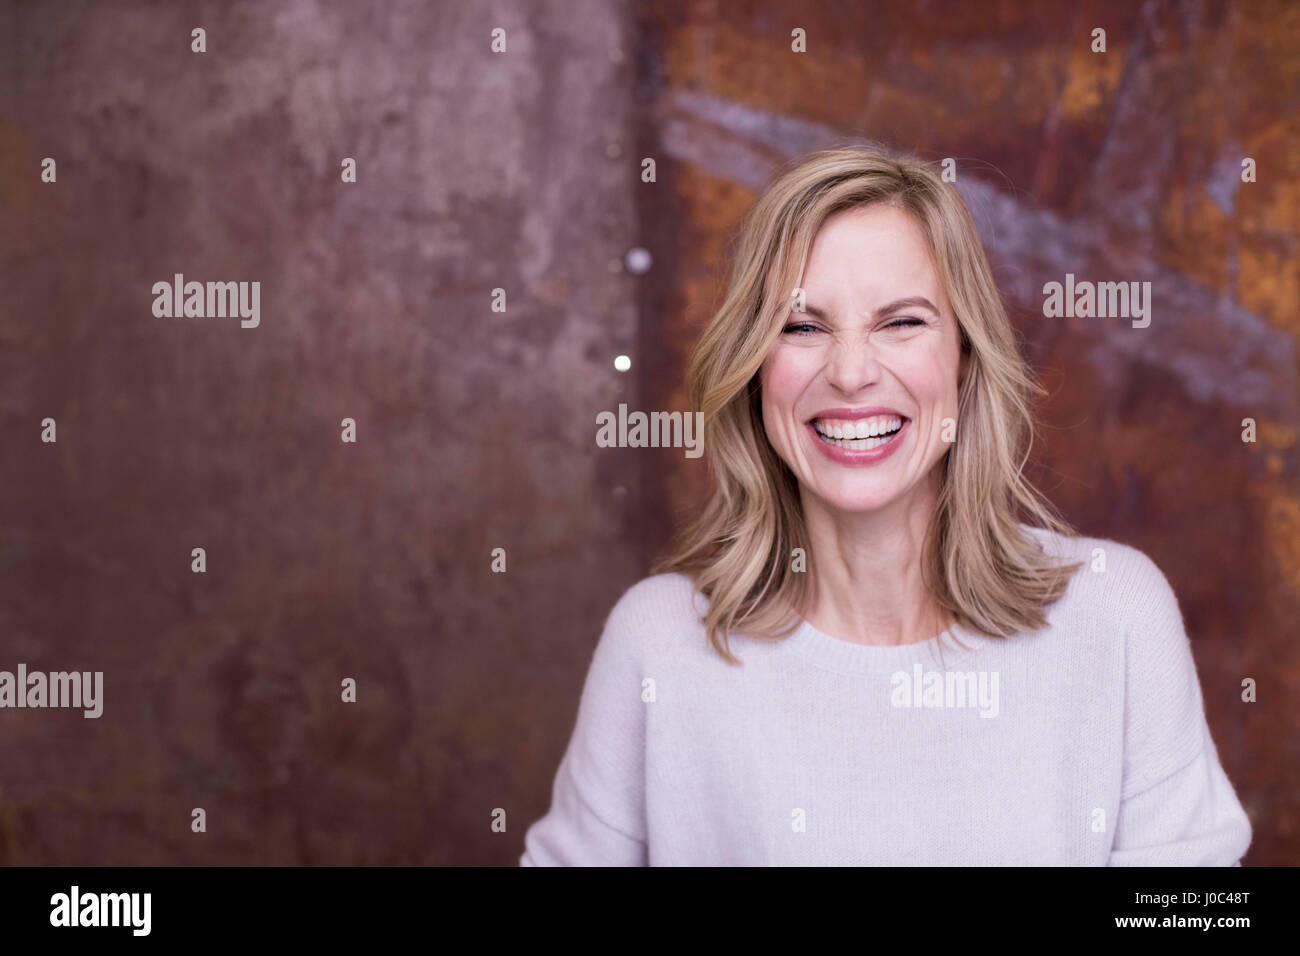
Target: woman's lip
[(844, 456), (853, 414)]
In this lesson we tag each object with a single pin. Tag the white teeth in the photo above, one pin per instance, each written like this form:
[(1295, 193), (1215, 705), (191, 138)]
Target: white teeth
[(859, 444), (858, 429), (862, 434)]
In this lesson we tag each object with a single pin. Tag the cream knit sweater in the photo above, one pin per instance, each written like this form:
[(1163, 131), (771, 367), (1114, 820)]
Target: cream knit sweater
[(1084, 743)]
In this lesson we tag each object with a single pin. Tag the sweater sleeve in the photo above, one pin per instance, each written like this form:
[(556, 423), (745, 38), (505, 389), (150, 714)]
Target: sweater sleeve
[(597, 813), (1177, 806)]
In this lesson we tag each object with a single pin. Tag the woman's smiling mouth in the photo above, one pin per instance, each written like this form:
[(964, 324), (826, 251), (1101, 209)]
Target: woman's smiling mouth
[(858, 437)]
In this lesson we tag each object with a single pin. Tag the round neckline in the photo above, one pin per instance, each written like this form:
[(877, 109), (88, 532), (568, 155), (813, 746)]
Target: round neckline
[(880, 659)]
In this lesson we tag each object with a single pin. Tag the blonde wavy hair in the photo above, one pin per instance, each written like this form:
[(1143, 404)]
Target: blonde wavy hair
[(978, 563)]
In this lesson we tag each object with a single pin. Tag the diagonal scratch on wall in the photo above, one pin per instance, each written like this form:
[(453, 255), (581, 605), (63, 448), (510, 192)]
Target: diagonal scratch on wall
[(1219, 352)]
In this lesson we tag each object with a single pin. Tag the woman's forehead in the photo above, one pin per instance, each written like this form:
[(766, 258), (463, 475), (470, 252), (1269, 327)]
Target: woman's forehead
[(852, 273)]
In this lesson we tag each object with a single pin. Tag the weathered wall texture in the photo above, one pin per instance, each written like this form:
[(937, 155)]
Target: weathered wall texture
[(1117, 166), (476, 171), (520, 171)]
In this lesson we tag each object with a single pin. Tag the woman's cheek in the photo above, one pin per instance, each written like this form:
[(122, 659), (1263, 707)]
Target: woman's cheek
[(926, 374), (784, 378), (787, 373)]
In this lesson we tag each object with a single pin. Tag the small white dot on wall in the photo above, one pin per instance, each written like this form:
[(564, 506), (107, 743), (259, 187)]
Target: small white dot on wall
[(622, 363), (638, 261)]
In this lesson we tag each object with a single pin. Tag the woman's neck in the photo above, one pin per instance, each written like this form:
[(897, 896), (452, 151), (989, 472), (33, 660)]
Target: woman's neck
[(867, 582)]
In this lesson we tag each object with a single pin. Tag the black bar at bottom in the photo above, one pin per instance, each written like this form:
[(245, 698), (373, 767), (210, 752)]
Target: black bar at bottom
[(335, 906)]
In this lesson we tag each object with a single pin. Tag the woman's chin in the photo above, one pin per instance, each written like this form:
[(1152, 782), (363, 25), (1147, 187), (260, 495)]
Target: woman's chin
[(859, 501)]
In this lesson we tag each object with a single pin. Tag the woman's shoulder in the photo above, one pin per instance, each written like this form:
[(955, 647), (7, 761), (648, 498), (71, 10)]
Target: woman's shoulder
[(1111, 574), (1096, 552), (658, 594), (657, 609)]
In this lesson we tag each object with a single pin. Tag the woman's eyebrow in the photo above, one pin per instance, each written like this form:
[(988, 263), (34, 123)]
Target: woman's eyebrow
[(911, 302)]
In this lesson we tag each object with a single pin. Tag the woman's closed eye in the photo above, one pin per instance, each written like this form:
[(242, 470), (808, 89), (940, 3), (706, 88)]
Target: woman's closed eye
[(807, 328)]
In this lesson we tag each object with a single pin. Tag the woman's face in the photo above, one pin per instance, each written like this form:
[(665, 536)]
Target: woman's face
[(856, 389)]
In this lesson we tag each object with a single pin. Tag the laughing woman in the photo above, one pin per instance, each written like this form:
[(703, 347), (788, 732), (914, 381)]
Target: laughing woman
[(877, 644)]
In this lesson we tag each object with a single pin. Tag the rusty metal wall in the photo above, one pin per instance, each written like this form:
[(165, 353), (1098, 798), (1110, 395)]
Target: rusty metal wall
[(1117, 166), (521, 171)]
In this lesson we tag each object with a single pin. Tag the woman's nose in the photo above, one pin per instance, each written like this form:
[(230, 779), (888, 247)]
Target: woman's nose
[(852, 366)]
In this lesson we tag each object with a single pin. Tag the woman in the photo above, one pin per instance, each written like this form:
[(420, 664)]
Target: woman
[(877, 645)]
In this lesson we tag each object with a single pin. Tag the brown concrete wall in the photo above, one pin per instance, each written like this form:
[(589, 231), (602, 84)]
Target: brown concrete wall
[(325, 560), (475, 428)]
